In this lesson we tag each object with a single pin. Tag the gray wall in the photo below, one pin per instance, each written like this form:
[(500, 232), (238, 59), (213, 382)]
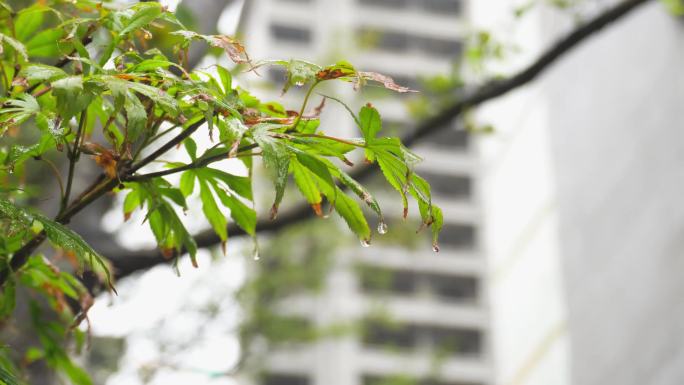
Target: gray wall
[(617, 132)]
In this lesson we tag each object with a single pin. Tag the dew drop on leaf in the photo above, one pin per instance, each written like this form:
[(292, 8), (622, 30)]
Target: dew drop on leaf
[(365, 243), (382, 228), (435, 248)]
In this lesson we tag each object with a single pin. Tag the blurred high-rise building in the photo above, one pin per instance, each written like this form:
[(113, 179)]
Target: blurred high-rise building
[(436, 304), (561, 260)]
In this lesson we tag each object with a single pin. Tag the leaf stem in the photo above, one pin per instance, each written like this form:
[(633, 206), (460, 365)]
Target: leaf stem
[(304, 103), (55, 171), (73, 158), (340, 140)]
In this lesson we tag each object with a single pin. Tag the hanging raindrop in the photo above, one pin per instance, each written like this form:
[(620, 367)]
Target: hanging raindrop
[(435, 248), (365, 243), (256, 255), (382, 228)]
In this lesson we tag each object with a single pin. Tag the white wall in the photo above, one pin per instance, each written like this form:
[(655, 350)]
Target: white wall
[(583, 187)]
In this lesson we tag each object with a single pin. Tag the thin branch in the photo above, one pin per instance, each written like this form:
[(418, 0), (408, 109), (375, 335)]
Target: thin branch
[(73, 157), (202, 162), (129, 262), (55, 172), (167, 146)]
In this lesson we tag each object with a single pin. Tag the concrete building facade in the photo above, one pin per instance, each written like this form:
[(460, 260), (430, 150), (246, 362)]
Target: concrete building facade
[(563, 254), (438, 303)]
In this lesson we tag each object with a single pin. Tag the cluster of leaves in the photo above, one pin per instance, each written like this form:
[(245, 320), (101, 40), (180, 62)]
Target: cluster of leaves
[(106, 95)]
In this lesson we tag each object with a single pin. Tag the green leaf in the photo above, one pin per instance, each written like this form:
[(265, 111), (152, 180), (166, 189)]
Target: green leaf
[(64, 238), (436, 226), (16, 111), (244, 216), (359, 190), (307, 185), (132, 201), (18, 154), (46, 43), (28, 21), (238, 184), (350, 211), (42, 72), (157, 95), (316, 166), (395, 172), (136, 116), (7, 378), (71, 98), (370, 122), (151, 65), (276, 158), (7, 302), (191, 148), (210, 208), (15, 44), (187, 183), (144, 14), (226, 78)]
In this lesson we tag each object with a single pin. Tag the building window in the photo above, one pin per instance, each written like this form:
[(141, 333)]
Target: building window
[(442, 7), (385, 3), (453, 186), (378, 280), (438, 47), (460, 236), (455, 341), (399, 42), (285, 379), (374, 280), (383, 40), (451, 7), (460, 341), (408, 380), (290, 33), (449, 138), (456, 288), (390, 336)]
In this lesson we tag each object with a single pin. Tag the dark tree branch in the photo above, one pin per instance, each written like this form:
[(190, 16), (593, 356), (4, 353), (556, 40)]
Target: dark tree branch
[(100, 187), (129, 262)]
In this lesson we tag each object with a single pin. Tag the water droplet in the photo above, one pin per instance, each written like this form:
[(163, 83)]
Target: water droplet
[(299, 83), (382, 228), (365, 242), (256, 255), (435, 248)]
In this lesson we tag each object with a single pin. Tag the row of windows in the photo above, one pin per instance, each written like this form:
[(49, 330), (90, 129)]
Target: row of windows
[(442, 7), (446, 340), (301, 379), (290, 33), (448, 7), (399, 42), (405, 282), (452, 186), (407, 380), (458, 236), (384, 40)]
